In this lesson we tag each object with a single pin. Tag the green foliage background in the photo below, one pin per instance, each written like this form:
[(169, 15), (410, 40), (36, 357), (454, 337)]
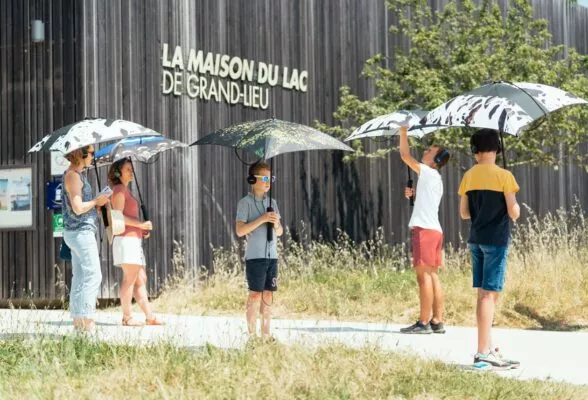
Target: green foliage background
[(459, 48)]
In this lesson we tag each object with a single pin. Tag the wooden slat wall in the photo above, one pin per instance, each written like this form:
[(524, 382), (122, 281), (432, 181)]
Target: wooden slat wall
[(103, 58)]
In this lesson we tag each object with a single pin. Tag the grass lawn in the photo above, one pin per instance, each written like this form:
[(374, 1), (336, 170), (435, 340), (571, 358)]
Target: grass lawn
[(55, 368)]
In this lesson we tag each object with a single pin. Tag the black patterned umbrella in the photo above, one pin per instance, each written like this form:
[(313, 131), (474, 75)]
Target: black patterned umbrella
[(271, 137)]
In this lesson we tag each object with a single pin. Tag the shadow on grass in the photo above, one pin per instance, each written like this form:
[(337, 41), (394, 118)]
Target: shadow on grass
[(548, 324)]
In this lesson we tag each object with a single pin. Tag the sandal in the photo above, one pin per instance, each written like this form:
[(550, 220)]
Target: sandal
[(153, 321), (129, 321)]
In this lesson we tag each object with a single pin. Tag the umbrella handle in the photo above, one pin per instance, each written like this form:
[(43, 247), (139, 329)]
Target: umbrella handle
[(104, 216), (144, 211), (102, 209), (409, 184), (270, 227), (503, 151)]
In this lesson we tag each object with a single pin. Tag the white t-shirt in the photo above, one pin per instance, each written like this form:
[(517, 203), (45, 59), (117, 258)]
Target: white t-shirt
[(429, 191)]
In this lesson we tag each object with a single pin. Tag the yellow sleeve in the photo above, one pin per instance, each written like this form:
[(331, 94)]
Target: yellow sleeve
[(464, 185), (510, 183)]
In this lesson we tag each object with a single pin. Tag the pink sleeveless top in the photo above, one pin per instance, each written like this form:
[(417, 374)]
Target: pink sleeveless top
[(131, 210)]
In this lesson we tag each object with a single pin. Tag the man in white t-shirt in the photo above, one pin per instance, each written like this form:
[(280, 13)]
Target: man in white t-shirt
[(427, 235)]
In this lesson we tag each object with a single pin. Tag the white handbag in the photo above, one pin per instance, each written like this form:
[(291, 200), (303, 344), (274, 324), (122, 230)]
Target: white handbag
[(116, 223)]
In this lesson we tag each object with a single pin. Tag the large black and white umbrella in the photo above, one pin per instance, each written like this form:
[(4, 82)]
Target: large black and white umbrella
[(89, 132), (502, 106)]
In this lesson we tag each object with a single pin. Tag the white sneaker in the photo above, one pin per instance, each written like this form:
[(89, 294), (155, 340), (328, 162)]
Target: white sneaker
[(513, 363), (492, 359)]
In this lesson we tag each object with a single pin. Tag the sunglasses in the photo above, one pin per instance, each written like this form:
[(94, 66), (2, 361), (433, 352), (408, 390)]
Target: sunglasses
[(265, 179)]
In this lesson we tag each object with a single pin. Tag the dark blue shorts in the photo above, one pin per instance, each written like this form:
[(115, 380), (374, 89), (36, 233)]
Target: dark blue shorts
[(262, 274), (488, 266)]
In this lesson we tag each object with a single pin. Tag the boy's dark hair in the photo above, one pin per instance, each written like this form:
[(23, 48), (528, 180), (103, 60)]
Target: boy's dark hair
[(257, 167), (485, 140), (442, 157)]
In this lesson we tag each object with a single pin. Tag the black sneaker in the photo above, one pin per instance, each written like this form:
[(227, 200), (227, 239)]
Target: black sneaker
[(417, 328), (438, 328)]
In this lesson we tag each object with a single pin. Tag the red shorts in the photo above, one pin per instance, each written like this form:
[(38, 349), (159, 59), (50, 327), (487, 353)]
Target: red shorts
[(426, 247)]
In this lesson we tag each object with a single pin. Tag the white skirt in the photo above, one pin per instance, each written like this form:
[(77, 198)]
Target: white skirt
[(128, 250)]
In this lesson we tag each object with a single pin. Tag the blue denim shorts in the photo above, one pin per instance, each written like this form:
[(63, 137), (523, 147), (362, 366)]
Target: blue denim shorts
[(488, 266)]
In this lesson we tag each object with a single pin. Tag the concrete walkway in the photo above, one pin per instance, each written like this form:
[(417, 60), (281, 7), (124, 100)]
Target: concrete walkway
[(561, 356)]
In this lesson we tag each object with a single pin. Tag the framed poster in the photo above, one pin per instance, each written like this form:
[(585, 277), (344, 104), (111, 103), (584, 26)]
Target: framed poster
[(58, 163), (16, 197)]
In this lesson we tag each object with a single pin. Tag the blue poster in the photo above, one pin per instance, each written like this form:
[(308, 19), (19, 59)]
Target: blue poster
[(54, 194)]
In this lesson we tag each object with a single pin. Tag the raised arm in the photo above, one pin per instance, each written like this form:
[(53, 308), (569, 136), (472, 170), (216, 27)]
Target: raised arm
[(405, 151)]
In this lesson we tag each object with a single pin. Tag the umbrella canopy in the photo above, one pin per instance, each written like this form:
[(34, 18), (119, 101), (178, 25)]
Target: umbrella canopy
[(536, 99), (88, 132), (389, 125), (503, 106), (475, 111), (271, 137), (141, 149)]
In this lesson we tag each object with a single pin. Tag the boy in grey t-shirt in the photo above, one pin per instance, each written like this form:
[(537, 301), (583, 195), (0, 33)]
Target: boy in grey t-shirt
[(261, 256)]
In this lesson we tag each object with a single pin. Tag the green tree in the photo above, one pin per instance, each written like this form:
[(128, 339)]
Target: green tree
[(461, 47)]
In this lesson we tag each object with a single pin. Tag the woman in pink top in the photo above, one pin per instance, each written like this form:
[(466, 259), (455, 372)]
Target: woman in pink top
[(127, 248)]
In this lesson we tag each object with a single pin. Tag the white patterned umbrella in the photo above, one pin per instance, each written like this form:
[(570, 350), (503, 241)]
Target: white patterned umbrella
[(142, 149), (88, 132), (390, 124), (502, 106)]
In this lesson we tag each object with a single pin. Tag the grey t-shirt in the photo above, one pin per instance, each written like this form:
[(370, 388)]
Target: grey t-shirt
[(249, 209)]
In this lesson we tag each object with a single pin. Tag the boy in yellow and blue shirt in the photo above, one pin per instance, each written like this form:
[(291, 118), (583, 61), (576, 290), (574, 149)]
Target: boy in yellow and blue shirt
[(488, 200)]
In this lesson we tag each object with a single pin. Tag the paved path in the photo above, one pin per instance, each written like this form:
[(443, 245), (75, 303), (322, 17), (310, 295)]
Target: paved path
[(561, 356)]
